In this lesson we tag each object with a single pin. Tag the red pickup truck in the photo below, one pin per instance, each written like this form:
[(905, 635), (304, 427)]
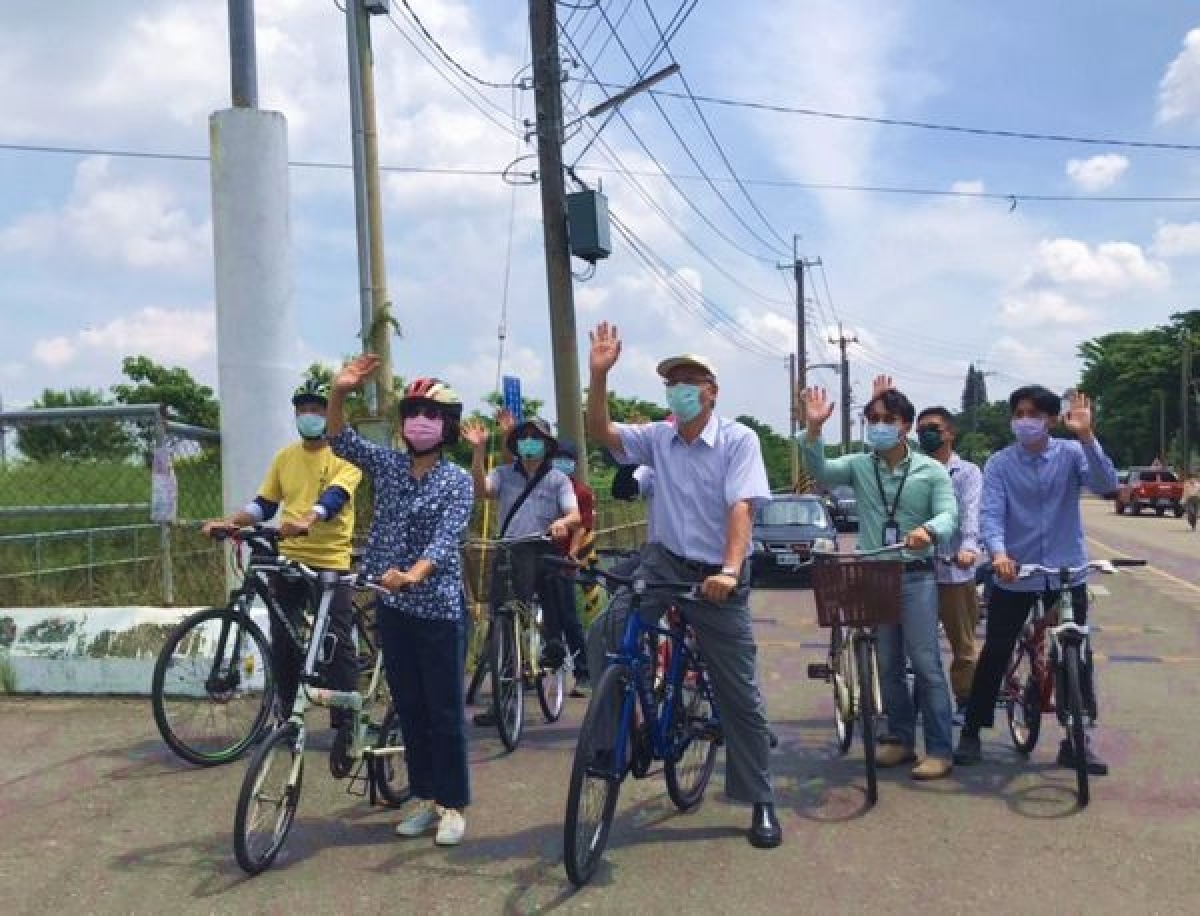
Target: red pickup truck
[(1150, 488)]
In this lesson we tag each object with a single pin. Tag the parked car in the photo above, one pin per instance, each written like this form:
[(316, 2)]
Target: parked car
[(843, 508), (1150, 488), (785, 532)]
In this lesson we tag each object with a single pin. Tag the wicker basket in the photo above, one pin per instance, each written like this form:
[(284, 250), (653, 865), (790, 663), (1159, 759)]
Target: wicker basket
[(856, 592)]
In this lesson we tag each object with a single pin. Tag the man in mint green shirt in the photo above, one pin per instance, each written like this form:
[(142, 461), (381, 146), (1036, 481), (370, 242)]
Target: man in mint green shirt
[(904, 497)]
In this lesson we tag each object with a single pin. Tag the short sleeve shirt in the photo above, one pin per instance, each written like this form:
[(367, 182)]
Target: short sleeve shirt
[(551, 499)]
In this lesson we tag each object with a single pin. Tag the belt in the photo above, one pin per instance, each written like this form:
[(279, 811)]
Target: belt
[(923, 565), (695, 566)]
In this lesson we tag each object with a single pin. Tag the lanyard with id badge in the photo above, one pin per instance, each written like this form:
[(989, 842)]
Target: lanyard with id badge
[(891, 528)]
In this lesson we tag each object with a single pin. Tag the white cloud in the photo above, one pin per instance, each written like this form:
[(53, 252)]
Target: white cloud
[(1098, 172), (975, 186), (140, 224), (1179, 90), (1174, 240), (1037, 308), (54, 352), (1107, 269), (171, 336)]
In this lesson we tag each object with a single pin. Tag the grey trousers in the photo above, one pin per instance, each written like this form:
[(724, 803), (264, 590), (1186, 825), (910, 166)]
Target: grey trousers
[(724, 634)]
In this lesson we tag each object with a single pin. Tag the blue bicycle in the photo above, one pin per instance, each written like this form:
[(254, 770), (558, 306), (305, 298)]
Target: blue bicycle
[(653, 702)]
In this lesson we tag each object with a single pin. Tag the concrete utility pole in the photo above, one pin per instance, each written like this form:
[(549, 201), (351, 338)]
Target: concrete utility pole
[(547, 87), (793, 426), (257, 357), (842, 340), (800, 374), (376, 320)]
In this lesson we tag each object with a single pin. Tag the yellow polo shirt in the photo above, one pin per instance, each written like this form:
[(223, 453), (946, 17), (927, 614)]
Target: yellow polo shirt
[(296, 479)]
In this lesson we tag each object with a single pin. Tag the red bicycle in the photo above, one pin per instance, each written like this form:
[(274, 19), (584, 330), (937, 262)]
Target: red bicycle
[(1029, 687)]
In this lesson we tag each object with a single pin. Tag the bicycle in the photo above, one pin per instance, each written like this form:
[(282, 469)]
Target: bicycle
[(266, 807), (516, 646), (213, 686), (1046, 674), (678, 724), (855, 594)]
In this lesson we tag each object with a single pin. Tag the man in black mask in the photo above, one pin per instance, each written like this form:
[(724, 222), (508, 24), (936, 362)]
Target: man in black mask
[(958, 606)]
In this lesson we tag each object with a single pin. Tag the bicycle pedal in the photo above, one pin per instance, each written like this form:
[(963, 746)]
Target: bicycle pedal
[(819, 672)]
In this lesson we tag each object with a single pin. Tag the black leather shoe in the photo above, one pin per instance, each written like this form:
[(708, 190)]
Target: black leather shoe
[(969, 750), (1066, 758), (485, 718), (765, 832)]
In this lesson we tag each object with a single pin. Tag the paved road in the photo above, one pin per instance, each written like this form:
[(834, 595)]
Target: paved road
[(96, 817)]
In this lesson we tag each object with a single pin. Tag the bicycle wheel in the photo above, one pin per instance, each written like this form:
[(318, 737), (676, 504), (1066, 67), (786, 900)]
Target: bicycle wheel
[(842, 676), (596, 776), (551, 683), (267, 803), (389, 771), (213, 686), (508, 693), (1023, 702), (693, 755), (1075, 728), (865, 662)]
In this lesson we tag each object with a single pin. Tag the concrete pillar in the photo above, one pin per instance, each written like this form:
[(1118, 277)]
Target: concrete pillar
[(258, 347)]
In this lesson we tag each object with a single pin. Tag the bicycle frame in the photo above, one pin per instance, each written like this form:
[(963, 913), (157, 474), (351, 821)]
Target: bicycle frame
[(661, 727)]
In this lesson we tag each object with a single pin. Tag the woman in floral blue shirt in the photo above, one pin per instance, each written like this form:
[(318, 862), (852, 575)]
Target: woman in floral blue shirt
[(422, 506)]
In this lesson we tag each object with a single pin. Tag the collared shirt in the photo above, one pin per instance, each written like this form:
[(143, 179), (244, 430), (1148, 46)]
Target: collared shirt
[(414, 519), (968, 491), (550, 500), (1030, 505), (695, 485), (927, 497)]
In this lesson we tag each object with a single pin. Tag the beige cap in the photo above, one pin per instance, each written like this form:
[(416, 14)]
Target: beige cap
[(686, 359)]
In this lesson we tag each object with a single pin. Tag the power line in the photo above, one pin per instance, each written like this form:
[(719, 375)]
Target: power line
[(449, 58), (666, 46), (461, 89), (770, 246), (191, 157), (928, 125)]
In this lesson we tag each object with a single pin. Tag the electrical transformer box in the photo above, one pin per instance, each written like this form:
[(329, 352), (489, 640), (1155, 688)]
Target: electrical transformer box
[(587, 225)]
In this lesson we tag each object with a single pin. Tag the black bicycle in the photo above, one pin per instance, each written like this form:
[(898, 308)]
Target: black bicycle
[(214, 684)]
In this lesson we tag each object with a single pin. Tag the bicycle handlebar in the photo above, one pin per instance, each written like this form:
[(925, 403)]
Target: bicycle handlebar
[(540, 538), (853, 554), (684, 590), (1025, 570)]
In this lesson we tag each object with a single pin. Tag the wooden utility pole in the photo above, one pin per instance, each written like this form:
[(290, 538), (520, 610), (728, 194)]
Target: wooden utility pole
[(547, 90)]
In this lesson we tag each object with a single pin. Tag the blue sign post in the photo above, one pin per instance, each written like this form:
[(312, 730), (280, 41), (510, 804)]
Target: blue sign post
[(512, 398)]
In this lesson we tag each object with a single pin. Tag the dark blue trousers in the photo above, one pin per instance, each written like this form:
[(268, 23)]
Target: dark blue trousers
[(424, 661)]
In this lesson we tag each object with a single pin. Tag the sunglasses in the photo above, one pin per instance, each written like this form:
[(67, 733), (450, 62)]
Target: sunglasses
[(931, 427), (408, 411)]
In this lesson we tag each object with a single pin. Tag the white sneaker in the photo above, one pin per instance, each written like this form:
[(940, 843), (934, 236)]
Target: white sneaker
[(451, 828), (419, 819)]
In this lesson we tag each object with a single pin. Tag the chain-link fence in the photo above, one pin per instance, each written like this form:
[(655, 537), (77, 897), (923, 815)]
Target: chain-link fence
[(102, 506)]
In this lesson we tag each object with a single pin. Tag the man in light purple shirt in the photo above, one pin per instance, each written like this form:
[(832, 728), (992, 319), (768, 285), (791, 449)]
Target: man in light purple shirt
[(1030, 515), (709, 478)]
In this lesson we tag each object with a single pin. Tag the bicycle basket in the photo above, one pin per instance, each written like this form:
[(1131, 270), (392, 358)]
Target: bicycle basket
[(856, 592)]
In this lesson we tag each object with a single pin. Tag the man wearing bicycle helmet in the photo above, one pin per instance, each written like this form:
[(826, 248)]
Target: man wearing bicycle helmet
[(423, 504), (1030, 514), (315, 489)]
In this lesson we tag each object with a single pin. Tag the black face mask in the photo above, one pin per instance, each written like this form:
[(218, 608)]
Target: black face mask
[(931, 439)]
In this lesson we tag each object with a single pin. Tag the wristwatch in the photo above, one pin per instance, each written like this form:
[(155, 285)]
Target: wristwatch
[(932, 534), (731, 572)]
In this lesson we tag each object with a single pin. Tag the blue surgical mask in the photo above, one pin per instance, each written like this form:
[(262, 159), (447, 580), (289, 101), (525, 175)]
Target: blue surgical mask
[(566, 465), (684, 401), (532, 447), (882, 436), (310, 425)]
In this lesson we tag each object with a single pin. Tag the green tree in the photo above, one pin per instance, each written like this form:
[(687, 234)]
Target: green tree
[(189, 401), (776, 452), (75, 440)]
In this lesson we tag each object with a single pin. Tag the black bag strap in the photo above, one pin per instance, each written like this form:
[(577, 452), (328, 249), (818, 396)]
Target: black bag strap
[(529, 488)]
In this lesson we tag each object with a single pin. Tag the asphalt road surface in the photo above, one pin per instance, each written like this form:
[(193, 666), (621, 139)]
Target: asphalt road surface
[(97, 816)]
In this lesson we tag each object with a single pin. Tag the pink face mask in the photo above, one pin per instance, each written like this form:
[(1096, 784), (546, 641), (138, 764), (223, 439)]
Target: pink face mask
[(422, 433)]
